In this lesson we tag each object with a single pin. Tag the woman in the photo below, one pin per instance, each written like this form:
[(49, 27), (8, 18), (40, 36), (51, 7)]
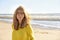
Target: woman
[(22, 29)]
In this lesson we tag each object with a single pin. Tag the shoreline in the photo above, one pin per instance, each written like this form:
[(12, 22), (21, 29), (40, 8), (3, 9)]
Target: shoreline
[(35, 26)]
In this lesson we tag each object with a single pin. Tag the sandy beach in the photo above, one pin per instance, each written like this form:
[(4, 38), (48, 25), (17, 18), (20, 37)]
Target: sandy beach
[(39, 33)]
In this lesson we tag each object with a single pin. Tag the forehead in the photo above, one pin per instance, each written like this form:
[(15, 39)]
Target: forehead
[(20, 11)]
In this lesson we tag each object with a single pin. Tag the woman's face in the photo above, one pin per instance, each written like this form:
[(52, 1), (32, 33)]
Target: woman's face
[(20, 15)]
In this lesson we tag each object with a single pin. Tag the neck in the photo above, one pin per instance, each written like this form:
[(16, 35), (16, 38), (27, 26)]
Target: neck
[(19, 22)]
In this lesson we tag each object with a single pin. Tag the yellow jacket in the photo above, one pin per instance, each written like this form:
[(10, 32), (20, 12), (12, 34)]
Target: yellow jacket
[(25, 33)]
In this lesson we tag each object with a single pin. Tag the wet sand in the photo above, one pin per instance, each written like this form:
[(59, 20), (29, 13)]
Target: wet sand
[(39, 33)]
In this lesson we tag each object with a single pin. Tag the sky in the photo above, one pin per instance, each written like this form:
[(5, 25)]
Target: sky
[(31, 6)]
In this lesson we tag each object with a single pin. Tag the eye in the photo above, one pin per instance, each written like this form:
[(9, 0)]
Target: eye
[(21, 13)]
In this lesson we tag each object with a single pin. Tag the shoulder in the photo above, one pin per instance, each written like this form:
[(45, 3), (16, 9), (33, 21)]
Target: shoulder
[(29, 27)]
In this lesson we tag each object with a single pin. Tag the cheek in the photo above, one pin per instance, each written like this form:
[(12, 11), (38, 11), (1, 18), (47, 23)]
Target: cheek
[(17, 17), (22, 15)]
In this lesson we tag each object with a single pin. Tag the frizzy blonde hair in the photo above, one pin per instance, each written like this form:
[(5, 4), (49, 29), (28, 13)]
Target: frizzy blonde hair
[(25, 20)]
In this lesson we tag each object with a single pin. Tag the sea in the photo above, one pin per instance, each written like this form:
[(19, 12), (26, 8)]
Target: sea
[(42, 23)]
